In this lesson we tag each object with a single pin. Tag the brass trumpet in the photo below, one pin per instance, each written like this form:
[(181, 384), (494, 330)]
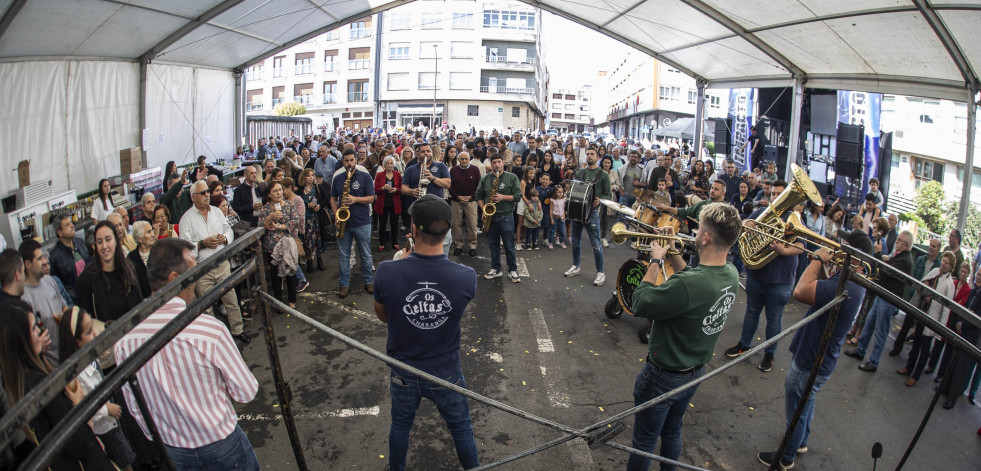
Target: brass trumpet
[(795, 229), (619, 235)]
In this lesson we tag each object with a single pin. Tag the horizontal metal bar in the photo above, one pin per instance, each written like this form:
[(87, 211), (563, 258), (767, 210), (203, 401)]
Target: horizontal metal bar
[(58, 437), (53, 384)]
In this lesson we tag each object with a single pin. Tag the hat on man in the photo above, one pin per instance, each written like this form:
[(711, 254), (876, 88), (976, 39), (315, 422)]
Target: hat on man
[(429, 212), (857, 238)]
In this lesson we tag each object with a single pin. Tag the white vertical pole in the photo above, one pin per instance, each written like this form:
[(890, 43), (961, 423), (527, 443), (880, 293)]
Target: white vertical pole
[(699, 117), (794, 138), (972, 118)]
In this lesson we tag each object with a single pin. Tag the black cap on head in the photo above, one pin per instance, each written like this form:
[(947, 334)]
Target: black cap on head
[(431, 215), (857, 238)]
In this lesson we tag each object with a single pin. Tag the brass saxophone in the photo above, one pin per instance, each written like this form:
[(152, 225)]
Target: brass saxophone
[(490, 208), (343, 213), (423, 181)]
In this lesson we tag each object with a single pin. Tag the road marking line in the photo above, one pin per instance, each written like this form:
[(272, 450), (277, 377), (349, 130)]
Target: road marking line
[(522, 268), (355, 412), (541, 331), (554, 384), (322, 296), (497, 357)]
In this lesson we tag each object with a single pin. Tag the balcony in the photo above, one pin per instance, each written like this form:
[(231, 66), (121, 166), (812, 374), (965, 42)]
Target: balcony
[(305, 99), (277, 101), (355, 97), (358, 64), (330, 98), (304, 68), (502, 63), (330, 66), (507, 90), (253, 76), (254, 107), (278, 72), (360, 33), (504, 59)]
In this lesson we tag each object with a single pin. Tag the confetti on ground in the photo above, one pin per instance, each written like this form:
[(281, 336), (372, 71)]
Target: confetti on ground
[(275, 405), (570, 341), (751, 408), (601, 409), (381, 456), (692, 405), (526, 351), (473, 350), (523, 383)]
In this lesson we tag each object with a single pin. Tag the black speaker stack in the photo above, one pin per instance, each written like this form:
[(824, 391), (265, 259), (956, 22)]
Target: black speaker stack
[(723, 136), (849, 163)]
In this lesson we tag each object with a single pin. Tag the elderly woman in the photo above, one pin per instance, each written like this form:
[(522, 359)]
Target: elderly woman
[(281, 222), (127, 242), (145, 237), (161, 223)]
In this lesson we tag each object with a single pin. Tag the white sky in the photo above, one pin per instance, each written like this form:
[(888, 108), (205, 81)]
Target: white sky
[(574, 53)]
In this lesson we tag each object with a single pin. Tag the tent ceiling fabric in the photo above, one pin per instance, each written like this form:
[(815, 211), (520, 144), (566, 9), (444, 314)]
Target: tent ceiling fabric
[(879, 45)]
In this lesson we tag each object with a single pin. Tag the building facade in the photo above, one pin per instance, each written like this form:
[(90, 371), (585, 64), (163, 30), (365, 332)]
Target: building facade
[(642, 94), (466, 64), (570, 110)]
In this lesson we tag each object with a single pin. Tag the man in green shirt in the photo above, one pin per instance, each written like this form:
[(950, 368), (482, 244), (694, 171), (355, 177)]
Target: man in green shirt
[(689, 310), (502, 222), (690, 214), (601, 190)]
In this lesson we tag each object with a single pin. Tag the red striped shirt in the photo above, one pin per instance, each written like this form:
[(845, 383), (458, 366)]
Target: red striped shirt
[(190, 383)]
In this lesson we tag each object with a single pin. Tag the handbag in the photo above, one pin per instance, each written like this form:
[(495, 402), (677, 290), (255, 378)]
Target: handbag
[(300, 252)]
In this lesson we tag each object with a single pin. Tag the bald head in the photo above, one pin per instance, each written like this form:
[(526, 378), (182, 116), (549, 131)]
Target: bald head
[(211, 178)]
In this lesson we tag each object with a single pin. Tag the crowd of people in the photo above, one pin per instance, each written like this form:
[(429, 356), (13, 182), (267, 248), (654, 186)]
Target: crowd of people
[(419, 197)]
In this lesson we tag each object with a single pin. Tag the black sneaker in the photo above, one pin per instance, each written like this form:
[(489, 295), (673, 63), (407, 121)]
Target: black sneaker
[(736, 351), (767, 363), (768, 457)]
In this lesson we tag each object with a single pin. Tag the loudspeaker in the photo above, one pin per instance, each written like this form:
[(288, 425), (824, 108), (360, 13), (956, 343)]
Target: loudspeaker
[(885, 166), (849, 150), (769, 153), (723, 136), (848, 168), (849, 190), (854, 133)]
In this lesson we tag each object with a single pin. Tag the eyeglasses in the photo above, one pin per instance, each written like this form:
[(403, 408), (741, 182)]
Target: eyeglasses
[(203, 193)]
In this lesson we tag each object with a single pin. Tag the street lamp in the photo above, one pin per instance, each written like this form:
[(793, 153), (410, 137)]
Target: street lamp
[(432, 121)]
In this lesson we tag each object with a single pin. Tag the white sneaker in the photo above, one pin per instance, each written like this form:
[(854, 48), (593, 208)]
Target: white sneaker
[(563, 245), (550, 247), (517, 247), (600, 279), (513, 275), (605, 243), (492, 274), (572, 271)]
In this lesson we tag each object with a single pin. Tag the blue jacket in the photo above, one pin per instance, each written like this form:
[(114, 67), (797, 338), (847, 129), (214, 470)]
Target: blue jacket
[(63, 262)]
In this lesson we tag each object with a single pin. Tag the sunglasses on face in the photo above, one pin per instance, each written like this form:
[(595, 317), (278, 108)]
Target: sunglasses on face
[(203, 193)]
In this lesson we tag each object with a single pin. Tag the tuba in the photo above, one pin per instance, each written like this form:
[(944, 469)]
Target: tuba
[(343, 213), (490, 209), (754, 245)]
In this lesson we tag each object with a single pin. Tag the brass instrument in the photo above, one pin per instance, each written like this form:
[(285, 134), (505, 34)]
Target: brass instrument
[(423, 181), (343, 213), (754, 245), (619, 235), (795, 229), (490, 209)]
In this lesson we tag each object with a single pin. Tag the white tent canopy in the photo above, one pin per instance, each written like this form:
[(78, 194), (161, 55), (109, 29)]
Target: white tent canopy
[(684, 128), (83, 78)]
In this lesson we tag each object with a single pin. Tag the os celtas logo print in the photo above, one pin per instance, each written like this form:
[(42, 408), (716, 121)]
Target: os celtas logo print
[(426, 307)]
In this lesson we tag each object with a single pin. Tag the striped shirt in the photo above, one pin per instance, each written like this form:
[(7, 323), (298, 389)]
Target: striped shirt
[(190, 383)]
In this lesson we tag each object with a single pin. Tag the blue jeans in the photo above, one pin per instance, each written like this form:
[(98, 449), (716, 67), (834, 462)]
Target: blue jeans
[(502, 229), (663, 419), (881, 317), (232, 452), (407, 392), (363, 237), (773, 298), (299, 273), (593, 231), (793, 389), (557, 229), (626, 200), (531, 235)]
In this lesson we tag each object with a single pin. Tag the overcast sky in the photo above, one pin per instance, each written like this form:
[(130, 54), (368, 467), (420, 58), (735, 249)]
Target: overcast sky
[(574, 53)]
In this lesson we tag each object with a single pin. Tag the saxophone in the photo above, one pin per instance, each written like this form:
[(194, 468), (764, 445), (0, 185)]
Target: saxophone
[(423, 181), (490, 208), (343, 213)]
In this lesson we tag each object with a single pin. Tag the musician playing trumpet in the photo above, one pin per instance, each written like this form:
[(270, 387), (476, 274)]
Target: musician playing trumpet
[(688, 311)]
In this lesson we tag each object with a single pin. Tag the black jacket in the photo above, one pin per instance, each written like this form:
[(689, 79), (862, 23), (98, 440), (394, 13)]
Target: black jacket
[(141, 273), (242, 199), (902, 262), (63, 263)]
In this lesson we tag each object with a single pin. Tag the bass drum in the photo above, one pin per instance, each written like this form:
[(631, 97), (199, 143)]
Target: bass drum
[(629, 277), (647, 215), (580, 201), (668, 220)]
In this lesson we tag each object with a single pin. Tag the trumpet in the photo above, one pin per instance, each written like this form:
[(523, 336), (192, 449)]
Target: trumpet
[(619, 235), (795, 229)]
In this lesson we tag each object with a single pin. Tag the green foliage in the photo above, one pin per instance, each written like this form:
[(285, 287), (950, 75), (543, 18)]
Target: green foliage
[(711, 147), (290, 108), (929, 202)]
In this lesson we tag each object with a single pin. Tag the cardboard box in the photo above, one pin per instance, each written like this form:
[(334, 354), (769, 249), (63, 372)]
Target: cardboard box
[(24, 173), (130, 160)]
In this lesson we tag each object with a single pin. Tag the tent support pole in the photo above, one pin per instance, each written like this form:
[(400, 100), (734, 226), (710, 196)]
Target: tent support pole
[(239, 108), (972, 121), (699, 117), (144, 65), (793, 143)]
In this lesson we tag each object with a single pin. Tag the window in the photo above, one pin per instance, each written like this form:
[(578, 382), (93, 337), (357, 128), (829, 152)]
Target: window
[(463, 20), (927, 170), (278, 66), (333, 35), (570, 116), (670, 93), (357, 90), (253, 73), (557, 96), (358, 58), (398, 51), (714, 101), (515, 111), (517, 85), (254, 100), (460, 80), (975, 178), (302, 92), (583, 117), (692, 97), (399, 21), (556, 106), (570, 97), (304, 63), (330, 92), (361, 29), (473, 110), (330, 60), (398, 81), (509, 19), (432, 20), (517, 55), (924, 111), (278, 95), (556, 115), (461, 50), (427, 80), (427, 49), (584, 108), (570, 106)]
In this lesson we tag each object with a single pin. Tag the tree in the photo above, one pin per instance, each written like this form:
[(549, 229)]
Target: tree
[(290, 108), (929, 202)]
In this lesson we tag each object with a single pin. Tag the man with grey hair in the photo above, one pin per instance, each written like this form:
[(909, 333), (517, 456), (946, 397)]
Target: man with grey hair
[(125, 240), (207, 228), (148, 203), (464, 179)]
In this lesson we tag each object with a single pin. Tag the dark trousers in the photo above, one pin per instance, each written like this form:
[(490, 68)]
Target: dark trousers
[(897, 346), (391, 220), (277, 282)]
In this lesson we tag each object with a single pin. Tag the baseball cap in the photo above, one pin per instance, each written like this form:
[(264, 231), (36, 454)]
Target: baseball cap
[(857, 238), (427, 212)]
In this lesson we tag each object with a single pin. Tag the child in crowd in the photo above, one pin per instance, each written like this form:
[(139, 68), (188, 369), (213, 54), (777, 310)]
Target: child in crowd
[(771, 172), (874, 190), (545, 191), (558, 218), (533, 220), (662, 188)]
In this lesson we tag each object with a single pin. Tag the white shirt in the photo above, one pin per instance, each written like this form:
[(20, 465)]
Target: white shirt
[(194, 229), (89, 379), (99, 212)]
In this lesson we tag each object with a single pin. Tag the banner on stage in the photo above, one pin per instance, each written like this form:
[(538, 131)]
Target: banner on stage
[(862, 108), (741, 104)]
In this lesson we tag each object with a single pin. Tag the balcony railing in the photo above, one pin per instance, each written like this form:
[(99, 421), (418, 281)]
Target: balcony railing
[(254, 106), (330, 98), (277, 101), (278, 72), (360, 33), (305, 99), (427, 87), (508, 90), (354, 97), (304, 68), (330, 66), (504, 60), (252, 76), (358, 64)]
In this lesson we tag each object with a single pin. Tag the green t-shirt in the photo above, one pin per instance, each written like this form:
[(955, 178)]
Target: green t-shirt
[(692, 212), (508, 185), (689, 310), (602, 188)]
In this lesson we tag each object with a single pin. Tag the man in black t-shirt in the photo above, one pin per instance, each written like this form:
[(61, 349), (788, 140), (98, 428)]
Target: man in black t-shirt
[(361, 193), (758, 142)]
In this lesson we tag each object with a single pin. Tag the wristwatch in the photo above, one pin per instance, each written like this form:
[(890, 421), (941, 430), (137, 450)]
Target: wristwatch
[(659, 261)]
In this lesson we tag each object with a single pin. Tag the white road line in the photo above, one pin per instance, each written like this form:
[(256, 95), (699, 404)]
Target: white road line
[(545, 344), (554, 384), (322, 296), (360, 411), (496, 357), (522, 268)]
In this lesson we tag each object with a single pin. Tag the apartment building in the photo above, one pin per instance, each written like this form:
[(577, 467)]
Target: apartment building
[(570, 110)]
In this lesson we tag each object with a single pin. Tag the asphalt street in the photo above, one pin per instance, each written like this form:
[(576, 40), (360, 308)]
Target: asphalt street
[(545, 346)]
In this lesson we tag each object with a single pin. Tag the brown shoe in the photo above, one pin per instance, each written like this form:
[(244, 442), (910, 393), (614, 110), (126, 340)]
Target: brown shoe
[(369, 288), (343, 291), (903, 371), (910, 382)]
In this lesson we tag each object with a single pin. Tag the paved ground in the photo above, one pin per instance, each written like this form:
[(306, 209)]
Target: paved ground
[(545, 346)]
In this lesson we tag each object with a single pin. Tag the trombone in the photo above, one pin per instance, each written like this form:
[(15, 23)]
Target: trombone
[(619, 235), (794, 229)]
